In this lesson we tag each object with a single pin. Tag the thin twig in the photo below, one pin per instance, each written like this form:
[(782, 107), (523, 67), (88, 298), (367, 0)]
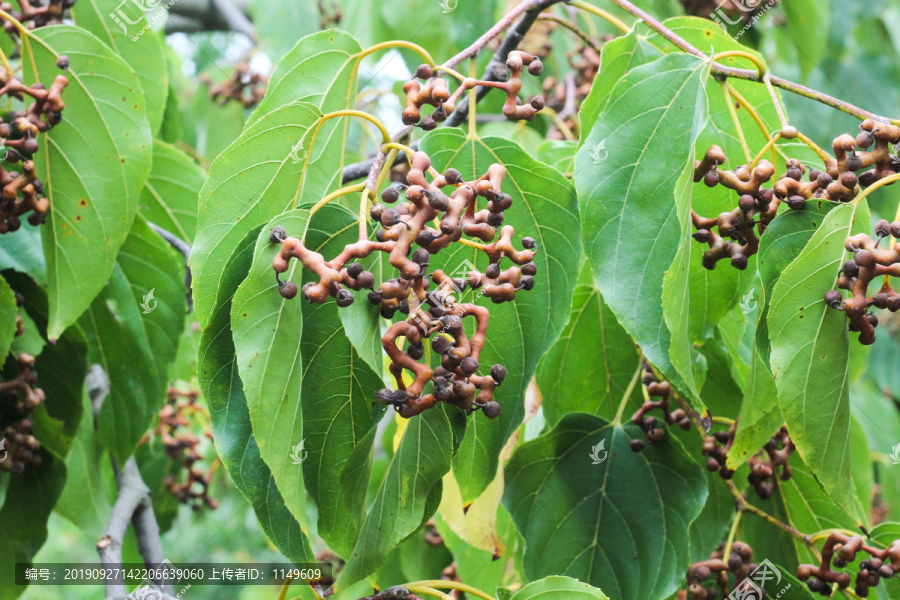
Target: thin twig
[(747, 74)]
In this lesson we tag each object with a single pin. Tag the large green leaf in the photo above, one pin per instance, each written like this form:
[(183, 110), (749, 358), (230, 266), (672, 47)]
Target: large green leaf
[(267, 330), (810, 353), (134, 326), (544, 207), (123, 27), (609, 524), (406, 496), (104, 132), (618, 57), (291, 372), (170, 195), (217, 371), (259, 171), (627, 197), (558, 588), (591, 365), (676, 293)]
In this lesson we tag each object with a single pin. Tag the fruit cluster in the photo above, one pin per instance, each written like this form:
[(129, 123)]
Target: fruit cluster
[(435, 92), (181, 444), (20, 448), (883, 564), (764, 465), (247, 87), (650, 425), (717, 567), (757, 206), (869, 261), (436, 314), (34, 15), (23, 192), (715, 449)]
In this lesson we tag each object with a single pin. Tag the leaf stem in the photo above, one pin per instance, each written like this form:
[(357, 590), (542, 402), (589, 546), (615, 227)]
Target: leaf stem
[(734, 117), (754, 114), (732, 533), (880, 183), (399, 44), (452, 585), (612, 19), (385, 135), (769, 144), (743, 505), (618, 419), (15, 22), (816, 148), (427, 591), (284, 588), (336, 194)]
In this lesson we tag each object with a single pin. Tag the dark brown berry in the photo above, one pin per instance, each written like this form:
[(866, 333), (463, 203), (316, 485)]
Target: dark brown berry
[(288, 289), (491, 409)]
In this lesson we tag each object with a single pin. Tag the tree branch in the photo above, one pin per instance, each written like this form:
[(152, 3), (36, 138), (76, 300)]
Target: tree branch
[(134, 505)]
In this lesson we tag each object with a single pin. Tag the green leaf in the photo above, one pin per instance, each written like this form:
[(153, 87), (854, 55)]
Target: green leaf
[(134, 326), (807, 30), (217, 371), (403, 500), (116, 24), (544, 207), (23, 252), (676, 293), (170, 195), (558, 588), (337, 394), (784, 239), (267, 330), (257, 169), (591, 365), (810, 353), (618, 57), (608, 524), (627, 197), (559, 154), (105, 132), (759, 418), (8, 313)]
